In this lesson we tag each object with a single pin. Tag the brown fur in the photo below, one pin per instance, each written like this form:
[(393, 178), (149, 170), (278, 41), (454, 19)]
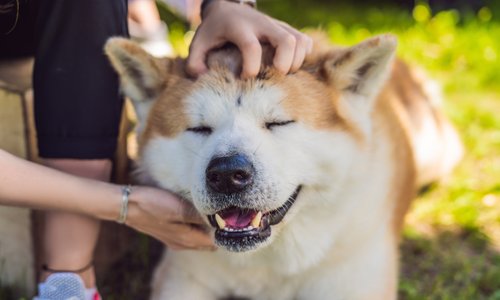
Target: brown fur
[(167, 117), (402, 103), (319, 96)]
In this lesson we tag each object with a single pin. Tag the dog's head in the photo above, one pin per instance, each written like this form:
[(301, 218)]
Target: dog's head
[(246, 152)]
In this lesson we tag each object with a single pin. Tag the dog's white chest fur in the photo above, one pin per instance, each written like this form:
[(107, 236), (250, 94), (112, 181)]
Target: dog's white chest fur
[(305, 178), (331, 248)]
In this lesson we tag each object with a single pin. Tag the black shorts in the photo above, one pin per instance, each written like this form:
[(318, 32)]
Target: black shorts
[(77, 98)]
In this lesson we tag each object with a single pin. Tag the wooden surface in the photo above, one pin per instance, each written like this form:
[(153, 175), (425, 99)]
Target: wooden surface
[(19, 232), (16, 247), (12, 130)]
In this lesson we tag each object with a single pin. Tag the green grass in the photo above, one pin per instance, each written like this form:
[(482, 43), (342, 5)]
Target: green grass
[(451, 244), (452, 238)]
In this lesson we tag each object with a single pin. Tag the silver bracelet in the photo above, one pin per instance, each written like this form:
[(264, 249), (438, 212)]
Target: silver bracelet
[(252, 3), (126, 191)]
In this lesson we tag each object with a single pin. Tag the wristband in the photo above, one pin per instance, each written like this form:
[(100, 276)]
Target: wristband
[(126, 190), (205, 3)]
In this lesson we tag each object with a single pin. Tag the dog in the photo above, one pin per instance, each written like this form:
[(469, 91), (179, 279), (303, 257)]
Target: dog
[(304, 179)]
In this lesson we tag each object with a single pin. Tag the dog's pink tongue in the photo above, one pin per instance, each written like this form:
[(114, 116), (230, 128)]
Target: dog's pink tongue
[(238, 218)]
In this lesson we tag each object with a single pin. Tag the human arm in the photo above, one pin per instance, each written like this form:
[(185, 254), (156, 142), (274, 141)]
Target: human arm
[(225, 21), (152, 211)]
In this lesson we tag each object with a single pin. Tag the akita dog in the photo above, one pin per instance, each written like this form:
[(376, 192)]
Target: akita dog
[(304, 178)]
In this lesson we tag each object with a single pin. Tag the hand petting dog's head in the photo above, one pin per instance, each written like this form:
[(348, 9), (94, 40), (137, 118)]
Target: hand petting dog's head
[(244, 151)]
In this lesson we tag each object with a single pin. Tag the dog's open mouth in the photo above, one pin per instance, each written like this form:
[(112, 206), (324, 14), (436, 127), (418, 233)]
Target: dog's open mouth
[(248, 226)]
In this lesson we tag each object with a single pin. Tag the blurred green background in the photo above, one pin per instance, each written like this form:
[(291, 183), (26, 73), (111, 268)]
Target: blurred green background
[(451, 245)]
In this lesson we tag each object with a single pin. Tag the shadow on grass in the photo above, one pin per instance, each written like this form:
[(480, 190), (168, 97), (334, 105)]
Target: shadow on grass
[(7, 292), (452, 264), (10, 291), (455, 264), (458, 264), (130, 277)]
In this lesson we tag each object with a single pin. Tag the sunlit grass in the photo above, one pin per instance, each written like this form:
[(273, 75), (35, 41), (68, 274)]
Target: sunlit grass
[(451, 248)]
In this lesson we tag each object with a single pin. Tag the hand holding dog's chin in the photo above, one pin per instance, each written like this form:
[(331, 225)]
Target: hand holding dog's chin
[(165, 217), (246, 27)]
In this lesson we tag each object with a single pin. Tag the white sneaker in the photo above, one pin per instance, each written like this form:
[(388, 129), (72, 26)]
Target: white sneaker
[(62, 286)]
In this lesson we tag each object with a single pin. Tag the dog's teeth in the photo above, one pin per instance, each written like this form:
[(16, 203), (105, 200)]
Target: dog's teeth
[(220, 221), (256, 220)]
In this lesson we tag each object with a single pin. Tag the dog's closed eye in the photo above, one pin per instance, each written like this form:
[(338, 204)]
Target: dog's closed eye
[(204, 130), (271, 125)]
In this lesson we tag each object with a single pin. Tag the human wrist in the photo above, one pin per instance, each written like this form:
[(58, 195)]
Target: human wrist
[(100, 200), (109, 203), (207, 5), (133, 206), (134, 202), (122, 216)]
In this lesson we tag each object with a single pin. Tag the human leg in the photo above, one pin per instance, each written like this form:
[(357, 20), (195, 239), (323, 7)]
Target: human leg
[(77, 112), (147, 28), (69, 240)]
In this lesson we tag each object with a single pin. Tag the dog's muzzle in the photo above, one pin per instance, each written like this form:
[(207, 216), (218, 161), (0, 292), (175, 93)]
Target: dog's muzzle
[(241, 229), (239, 226)]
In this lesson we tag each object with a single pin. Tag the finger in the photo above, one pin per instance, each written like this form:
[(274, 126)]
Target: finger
[(174, 246), (300, 54), (198, 49), (180, 247), (188, 236), (162, 236), (307, 38), (284, 42), (194, 239), (303, 46), (285, 52), (188, 245), (187, 213), (180, 237), (310, 45), (251, 51)]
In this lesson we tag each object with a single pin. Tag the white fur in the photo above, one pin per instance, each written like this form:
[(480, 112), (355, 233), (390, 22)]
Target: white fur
[(336, 242), (309, 255)]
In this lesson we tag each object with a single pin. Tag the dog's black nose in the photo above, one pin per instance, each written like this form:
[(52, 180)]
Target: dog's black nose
[(229, 174)]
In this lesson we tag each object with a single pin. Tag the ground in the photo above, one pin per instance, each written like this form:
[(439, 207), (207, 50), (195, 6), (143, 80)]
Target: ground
[(451, 243)]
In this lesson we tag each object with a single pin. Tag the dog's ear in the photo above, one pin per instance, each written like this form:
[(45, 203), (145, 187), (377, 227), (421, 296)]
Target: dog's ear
[(142, 76), (363, 68)]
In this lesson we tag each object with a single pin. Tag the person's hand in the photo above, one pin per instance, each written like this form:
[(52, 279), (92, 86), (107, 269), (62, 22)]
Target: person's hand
[(165, 217), (224, 21)]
